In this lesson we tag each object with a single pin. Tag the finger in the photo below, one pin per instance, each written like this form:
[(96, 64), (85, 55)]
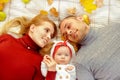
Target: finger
[(45, 57), (48, 57), (47, 61), (51, 59)]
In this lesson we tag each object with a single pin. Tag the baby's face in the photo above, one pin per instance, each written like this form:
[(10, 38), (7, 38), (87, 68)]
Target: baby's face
[(62, 55)]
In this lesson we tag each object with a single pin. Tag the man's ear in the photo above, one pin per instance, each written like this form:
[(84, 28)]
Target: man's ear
[(32, 27), (80, 18), (84, 18)]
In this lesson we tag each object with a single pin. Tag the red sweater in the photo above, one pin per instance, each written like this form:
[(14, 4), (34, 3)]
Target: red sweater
[(20, 60)]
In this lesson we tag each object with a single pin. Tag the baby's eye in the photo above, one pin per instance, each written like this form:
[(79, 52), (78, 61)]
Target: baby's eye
[(59, 54), (66, 55)]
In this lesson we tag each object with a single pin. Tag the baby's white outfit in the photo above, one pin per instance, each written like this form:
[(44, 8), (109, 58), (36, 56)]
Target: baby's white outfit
[(61, 74)]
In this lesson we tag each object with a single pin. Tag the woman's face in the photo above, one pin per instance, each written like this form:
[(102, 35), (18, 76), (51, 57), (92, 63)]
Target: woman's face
[(72, 30), (62, 55), (41, 34)]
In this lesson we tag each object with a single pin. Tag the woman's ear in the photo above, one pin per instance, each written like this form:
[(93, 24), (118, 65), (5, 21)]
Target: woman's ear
[(32, 27)]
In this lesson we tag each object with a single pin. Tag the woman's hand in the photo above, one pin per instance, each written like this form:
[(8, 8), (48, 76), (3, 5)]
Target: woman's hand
[(49, 61)]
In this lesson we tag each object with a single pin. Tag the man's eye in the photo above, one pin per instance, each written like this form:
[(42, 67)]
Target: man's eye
[(68, 27), (47, 30)]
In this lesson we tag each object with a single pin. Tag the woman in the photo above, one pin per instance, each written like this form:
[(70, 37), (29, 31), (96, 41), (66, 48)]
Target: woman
[(19, 57)]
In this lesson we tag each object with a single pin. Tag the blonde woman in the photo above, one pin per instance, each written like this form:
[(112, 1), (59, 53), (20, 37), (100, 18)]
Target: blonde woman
[(19, 57)]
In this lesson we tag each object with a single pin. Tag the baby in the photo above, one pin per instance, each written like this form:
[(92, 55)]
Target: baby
[(62, 52)]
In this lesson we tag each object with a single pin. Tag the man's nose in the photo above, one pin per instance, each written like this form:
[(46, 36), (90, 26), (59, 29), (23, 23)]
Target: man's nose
[(69, 32), (48, 36)]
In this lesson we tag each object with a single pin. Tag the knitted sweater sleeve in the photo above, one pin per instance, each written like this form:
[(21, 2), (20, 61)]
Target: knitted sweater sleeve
[(43, 69)]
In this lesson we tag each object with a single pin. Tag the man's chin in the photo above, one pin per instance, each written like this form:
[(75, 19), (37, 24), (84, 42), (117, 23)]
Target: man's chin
[(72, 40)]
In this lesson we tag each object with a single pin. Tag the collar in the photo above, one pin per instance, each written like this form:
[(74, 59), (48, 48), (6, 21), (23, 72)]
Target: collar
[(92, 34), (28, 43)]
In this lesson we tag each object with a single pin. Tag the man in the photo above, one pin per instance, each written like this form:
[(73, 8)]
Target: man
[(99, 56)]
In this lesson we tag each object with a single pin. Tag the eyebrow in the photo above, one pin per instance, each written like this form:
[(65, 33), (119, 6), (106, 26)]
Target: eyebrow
[(65, 25), (68, 24)]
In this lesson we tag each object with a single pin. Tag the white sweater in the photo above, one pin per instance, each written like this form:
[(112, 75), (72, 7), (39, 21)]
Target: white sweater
[(62, 74)]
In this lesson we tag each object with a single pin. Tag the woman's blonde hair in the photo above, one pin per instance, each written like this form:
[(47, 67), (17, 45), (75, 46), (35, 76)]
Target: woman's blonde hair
[(46, 49), (26, 23)]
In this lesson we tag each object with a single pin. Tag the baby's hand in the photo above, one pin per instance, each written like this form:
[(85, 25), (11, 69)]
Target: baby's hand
[(51, 64), (69, 68)]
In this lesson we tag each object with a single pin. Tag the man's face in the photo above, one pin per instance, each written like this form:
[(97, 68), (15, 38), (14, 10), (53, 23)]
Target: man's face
[(72, 30)]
